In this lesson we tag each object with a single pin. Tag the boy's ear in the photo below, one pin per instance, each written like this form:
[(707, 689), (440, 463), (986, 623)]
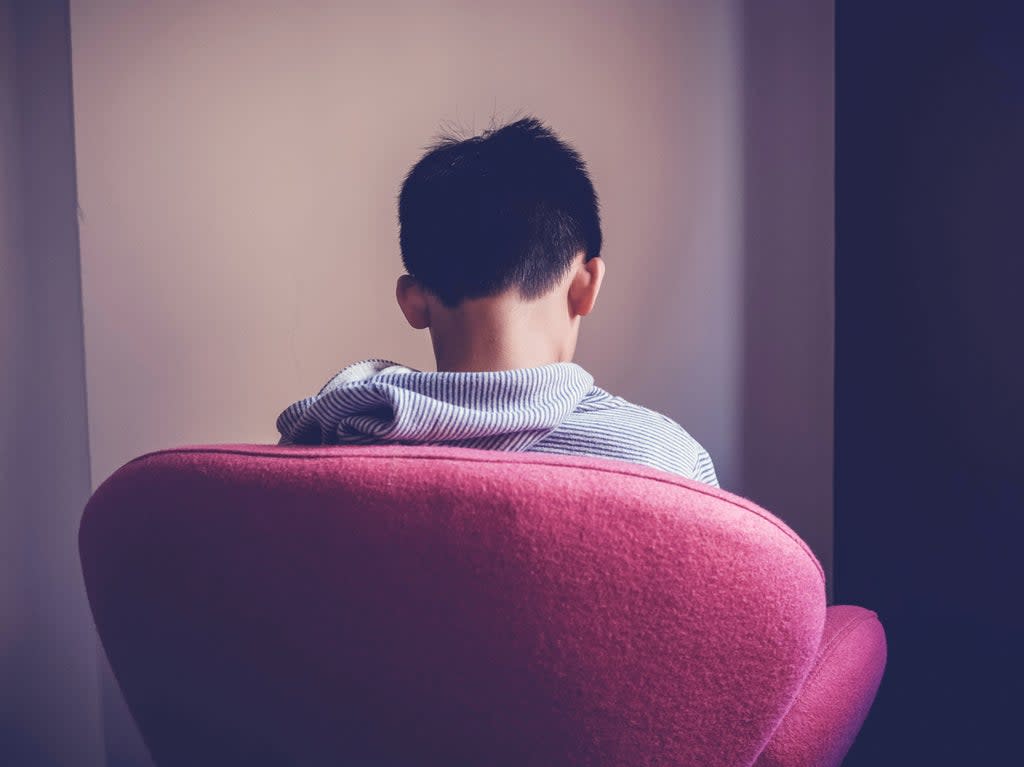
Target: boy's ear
[(585, 286), (412, 300)]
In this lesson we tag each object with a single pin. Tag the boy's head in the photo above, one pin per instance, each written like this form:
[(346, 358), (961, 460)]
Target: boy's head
[(507, 223)]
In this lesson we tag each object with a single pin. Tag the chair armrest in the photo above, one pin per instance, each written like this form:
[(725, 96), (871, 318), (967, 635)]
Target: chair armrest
[(831, 707)]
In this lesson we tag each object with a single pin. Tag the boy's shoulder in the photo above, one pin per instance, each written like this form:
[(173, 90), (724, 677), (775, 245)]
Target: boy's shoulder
[(644, 435), (598, 400)]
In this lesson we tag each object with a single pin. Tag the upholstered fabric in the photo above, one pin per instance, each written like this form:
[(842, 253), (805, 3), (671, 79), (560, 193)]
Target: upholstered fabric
[(400, 606), (834, 700)]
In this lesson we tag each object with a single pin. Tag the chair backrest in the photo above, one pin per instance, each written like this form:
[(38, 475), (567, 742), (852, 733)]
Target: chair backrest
[(379, 606)]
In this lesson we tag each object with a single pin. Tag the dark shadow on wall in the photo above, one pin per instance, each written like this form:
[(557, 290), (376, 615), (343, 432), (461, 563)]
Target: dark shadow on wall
[(49, 697), (788, 264), (929, 369)]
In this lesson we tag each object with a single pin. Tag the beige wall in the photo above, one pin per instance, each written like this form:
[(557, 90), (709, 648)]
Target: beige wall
[(238, 168)]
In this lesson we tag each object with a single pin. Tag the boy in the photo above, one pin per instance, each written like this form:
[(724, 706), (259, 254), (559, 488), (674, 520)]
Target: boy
[(501, 238)]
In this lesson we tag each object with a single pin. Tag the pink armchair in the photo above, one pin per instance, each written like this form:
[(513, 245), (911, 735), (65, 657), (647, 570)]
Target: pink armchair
[(409, 606)]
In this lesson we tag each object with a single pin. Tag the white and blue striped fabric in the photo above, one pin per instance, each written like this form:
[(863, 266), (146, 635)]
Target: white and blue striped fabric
[(554, 408)]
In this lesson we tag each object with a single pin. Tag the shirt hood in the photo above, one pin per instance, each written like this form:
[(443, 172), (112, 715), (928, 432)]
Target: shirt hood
[(376, 401)]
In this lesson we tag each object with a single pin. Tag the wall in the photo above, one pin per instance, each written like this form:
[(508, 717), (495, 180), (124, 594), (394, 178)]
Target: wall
[(49, 697), (239, 171), (929, 377), (238, 168), (788, 269)]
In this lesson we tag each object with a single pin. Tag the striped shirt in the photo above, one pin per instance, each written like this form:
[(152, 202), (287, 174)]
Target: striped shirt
[(553, 408)]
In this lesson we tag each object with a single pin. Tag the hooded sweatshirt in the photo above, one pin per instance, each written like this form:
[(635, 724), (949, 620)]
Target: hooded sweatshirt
[(553, 408)]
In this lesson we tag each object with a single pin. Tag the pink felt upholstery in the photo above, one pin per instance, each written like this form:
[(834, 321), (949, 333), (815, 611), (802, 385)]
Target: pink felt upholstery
[(835, 698), (404, 606)]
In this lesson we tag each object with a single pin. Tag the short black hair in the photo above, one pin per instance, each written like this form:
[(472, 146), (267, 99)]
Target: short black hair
[(509, 208)]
